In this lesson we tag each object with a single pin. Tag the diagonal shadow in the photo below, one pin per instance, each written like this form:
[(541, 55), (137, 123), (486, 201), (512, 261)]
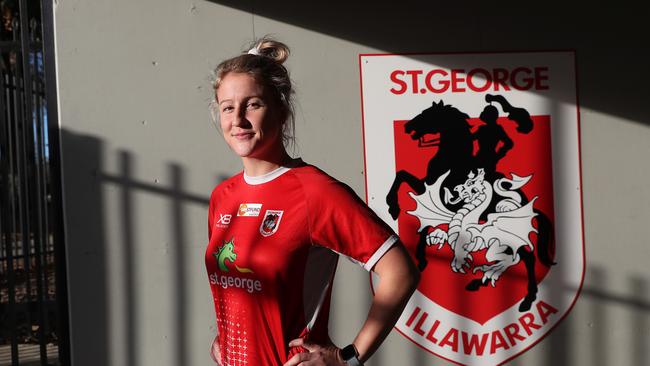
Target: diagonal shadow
[(435, 26)]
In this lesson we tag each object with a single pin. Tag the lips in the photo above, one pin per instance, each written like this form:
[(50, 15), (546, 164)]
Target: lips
[(243, 135)]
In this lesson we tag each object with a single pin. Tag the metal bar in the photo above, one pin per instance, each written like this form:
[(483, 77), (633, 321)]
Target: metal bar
[(55, 183), (15, 45), (5, 202), (11, 199), (23, 190), (30, 176), (39, 242), (38, 256)]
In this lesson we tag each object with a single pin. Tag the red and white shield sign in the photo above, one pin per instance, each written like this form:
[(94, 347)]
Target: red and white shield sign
[(270, 222), (474, 161)]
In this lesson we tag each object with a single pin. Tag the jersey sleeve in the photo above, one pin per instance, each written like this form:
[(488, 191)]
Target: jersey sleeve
[(211, 205), (210, 221), (341, 221)]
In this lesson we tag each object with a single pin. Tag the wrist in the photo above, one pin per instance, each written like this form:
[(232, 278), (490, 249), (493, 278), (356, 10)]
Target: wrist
[(350, 356), (339, 358)]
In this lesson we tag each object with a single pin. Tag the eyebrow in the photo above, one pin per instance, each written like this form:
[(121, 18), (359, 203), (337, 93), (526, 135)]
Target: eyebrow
[(246, 99)]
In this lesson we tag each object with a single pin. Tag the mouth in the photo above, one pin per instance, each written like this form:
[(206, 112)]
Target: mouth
[(414, 134), (243, 135), (428, 140), (424, 139)]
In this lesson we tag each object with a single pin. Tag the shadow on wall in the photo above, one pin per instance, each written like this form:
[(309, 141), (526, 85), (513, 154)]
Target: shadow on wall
[(608, 40), (85, 185), (85, 249), (91, 296)]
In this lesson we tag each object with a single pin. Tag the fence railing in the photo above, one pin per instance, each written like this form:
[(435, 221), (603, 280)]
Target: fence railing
[(32, 300)]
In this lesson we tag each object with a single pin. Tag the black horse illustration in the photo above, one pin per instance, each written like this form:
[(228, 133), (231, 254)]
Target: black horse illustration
[(447, 128), (451, 133)]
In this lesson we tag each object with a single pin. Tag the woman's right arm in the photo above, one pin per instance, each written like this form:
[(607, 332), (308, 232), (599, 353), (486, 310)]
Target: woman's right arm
[(215, 353)]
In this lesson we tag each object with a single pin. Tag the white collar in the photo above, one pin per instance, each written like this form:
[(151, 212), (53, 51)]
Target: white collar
[(265, 178)]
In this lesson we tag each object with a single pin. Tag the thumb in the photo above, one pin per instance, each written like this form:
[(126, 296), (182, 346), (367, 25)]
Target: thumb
[(298, 342), (301, 342)]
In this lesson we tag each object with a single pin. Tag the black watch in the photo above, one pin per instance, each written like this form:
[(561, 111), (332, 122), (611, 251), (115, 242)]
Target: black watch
[(350, 355)]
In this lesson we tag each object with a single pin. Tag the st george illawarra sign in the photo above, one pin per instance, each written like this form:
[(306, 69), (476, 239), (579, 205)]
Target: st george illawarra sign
[(474, 159)]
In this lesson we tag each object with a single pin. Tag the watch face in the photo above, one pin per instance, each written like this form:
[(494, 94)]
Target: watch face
[(348, 352)]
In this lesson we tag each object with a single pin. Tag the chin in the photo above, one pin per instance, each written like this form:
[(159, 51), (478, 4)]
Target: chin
[(242, 150), (243, 153), (256, 150)]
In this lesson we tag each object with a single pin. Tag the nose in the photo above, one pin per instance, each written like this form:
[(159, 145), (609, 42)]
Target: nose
[(236, 121), (239, 119)]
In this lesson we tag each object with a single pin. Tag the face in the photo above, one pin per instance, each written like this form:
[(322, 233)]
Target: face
[(7, 19), (250, 120)]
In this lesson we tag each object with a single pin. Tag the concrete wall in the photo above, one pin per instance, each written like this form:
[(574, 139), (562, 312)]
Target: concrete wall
[(140, 157)]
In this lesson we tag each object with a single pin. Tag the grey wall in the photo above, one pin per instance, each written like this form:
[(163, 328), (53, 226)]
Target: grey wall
[(140, 157)]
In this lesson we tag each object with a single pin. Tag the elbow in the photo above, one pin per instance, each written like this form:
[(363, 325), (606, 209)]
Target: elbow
[(411, 275)]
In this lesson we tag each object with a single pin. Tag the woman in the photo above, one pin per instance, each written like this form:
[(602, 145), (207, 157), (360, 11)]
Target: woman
[(276, 231)]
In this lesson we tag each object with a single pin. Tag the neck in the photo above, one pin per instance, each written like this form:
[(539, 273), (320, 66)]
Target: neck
[(258, 166)]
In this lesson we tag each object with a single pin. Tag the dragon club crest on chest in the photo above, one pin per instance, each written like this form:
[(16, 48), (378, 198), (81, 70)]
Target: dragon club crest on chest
[(270, 222)]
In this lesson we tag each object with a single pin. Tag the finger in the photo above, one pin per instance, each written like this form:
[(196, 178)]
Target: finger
[(301, 342), (213, 355), (215, 352), (298, 342), (297, 359)]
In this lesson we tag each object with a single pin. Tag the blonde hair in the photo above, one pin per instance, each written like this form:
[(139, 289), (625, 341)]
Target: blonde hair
[(263, 61)]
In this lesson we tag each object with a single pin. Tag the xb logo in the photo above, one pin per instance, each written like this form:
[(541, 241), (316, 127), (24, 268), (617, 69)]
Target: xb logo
[(227, 253), (224, 219)]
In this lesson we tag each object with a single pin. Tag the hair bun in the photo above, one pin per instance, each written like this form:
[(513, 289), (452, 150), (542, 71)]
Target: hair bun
[(268, 47)]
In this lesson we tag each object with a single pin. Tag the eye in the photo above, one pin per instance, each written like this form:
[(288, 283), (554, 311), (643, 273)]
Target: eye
[(254, 104), (227, 108)]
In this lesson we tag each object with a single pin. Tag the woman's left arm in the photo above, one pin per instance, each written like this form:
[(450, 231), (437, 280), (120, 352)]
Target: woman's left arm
[(398, 279)]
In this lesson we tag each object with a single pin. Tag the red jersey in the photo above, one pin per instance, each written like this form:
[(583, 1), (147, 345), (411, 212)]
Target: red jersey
[(273, 249)]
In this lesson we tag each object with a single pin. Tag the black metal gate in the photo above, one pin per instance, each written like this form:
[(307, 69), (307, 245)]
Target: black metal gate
[(33, 296)]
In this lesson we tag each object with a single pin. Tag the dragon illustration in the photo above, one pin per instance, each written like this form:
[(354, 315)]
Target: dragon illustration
[(503, 234), (227, 253)]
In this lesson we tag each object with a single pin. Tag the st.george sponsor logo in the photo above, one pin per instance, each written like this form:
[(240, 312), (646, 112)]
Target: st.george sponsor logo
[(249, 209), (470, 186), (225, 281), (226, 254)]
